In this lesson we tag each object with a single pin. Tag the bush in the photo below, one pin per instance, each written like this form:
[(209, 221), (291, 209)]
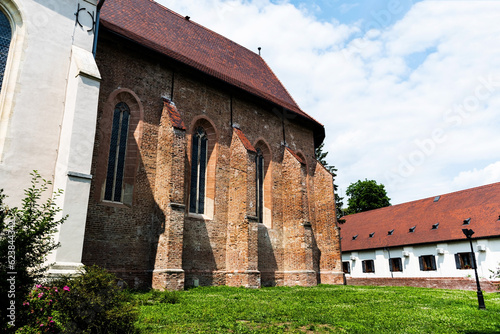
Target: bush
[(94, 304), (25, 242)]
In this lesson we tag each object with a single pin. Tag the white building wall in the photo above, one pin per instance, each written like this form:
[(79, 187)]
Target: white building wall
[(487, 252), (48, 108)]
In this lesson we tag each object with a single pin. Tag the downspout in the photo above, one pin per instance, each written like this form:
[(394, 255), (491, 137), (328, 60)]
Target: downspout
[(96, 32)]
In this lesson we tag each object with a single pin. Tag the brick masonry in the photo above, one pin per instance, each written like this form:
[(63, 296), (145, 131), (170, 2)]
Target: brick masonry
[(151, 240), (435, 282)]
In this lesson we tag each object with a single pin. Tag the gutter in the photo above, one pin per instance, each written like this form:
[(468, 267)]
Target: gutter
[(96, 33)]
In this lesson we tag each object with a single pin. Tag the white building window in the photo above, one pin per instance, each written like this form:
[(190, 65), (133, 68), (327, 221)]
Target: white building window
[(395, 264), (427, 262), (464, 261), (368, 266), (5, 38)]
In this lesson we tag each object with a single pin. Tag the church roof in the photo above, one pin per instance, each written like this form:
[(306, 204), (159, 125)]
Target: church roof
[(431, 220), (158, 28)]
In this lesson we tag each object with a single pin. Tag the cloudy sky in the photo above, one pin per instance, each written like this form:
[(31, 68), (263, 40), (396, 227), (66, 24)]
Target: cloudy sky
[(409, 91)]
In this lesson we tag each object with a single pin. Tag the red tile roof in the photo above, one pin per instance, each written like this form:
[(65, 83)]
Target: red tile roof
[(158, 28), (175, 117), (481, 204), (244, 140)]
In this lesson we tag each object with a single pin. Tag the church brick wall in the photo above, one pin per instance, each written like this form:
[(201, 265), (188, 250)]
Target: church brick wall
[(154, 241)]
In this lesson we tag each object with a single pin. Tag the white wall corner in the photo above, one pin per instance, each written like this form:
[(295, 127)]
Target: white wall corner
[(74, 159)]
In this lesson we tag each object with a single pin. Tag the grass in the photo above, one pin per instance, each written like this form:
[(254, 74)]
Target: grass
[(321, 309)]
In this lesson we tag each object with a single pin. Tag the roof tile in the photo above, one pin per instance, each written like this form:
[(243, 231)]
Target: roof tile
[(481, 204), (156, 27)]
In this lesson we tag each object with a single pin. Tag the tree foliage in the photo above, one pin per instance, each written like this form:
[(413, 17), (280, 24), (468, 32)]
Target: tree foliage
[(366, 195), (320, 157), (25, 241)]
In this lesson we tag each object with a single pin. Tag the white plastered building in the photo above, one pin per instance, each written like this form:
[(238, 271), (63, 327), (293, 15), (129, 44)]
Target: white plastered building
[(48, 107), (421, 243)]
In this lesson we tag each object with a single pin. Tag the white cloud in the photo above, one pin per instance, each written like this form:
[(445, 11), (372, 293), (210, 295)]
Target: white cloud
[(376, 106), (476, 177)]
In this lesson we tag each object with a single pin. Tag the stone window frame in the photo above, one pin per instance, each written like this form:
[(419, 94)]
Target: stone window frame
[(210, 130), (12, 67), (199, 154), (267, 212), (132, 157), (117, 154), (6, 47)]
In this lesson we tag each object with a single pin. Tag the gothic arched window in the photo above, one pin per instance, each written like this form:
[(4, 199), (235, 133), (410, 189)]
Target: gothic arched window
[(259, 162), (198, 171), (5, 38), (117, 150)]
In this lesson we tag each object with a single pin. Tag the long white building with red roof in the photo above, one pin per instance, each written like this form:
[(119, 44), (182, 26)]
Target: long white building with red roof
[(421, 243)]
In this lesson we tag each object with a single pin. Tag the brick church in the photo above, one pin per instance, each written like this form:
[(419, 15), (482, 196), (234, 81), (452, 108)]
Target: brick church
[(197, 164)]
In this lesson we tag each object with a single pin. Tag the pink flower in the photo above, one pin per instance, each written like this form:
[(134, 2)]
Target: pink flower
[(26, 303), (55, 289), (38, 286), (66, 288), (40, 295)]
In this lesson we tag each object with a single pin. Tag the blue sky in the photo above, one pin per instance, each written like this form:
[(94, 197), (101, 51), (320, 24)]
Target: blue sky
[(408, 91)]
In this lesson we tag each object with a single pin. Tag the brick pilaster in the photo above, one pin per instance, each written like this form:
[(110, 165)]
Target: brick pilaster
[(170, 198), (242, 225)]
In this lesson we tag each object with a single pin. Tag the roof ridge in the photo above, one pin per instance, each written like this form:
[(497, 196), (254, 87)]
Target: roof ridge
[(207, 29), (431, 197)]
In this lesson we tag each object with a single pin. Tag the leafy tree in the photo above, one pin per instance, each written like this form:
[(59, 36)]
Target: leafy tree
[(320, 156), (25, 241), (366, 195)]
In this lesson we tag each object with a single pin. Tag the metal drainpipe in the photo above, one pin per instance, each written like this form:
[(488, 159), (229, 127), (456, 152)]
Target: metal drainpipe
[(96, 32)]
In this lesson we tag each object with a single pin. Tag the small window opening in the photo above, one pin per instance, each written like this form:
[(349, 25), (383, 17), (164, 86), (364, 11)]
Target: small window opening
[(435, 226), (346, 266), (427, 262), (390, 232), (371, 234), (466, 221), (354, 238), (368, 266), (437, 198), (396, 264), (412, 229)]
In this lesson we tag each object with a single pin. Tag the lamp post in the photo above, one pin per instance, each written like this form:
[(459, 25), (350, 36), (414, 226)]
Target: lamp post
[(468, 233)]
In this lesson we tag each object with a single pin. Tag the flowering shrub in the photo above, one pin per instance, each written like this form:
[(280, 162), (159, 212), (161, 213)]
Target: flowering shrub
[(40, 309), (89, 303)]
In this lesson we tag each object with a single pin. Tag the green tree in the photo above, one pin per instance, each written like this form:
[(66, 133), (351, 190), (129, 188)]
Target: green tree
[(321, 156), (25, 241), (366, 195)]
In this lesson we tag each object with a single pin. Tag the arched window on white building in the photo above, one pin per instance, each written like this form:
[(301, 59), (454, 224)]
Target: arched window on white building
[(5, 38)]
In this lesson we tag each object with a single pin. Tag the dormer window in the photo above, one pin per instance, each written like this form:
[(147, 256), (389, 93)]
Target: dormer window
[(412, 229), (435, 226), (371, 235), (354, 237), (390, 232), (466, 221)]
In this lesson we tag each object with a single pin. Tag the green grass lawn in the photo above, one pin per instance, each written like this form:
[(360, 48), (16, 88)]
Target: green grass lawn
[(321, 309)]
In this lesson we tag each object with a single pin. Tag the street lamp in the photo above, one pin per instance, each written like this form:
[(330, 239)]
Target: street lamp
[(468, 233)]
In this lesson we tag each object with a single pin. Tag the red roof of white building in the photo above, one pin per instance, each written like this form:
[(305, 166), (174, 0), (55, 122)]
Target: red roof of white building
[(431, 220)]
